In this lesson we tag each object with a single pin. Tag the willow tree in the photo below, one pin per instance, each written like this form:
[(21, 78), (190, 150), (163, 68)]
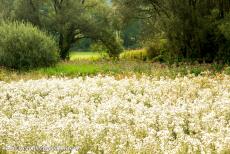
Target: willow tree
[(70, 21), (6, 8), (195, 29)]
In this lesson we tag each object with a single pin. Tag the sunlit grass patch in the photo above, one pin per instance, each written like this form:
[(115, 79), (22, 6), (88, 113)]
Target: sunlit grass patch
[(69, 69), (86, 55), (140, 54)]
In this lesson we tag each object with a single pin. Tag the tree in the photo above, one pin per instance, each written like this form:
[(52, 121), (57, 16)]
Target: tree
[(193, 32), (142, 9), (5, 8), (28, 10), (192, 27), (70, 21), (131, 33)]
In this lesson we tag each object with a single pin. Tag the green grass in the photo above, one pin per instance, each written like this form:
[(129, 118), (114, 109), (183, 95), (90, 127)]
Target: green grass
[(140, 54), (84, 63), (66, 69), (86, 55), (122, 68)]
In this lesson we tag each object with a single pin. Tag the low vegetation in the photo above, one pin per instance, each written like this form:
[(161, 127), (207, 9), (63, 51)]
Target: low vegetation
[(74, 56), (90, 64), (105, 115), (140, 54), (25, 46)]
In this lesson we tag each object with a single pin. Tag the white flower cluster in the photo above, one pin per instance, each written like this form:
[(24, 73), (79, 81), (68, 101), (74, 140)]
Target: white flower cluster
[(130, 115)]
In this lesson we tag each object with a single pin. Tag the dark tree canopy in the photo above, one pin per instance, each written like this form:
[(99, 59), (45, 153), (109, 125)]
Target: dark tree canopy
[(70, 21), (195, 29)]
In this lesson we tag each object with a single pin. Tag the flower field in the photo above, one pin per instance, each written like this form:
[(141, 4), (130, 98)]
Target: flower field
[(105, 115)]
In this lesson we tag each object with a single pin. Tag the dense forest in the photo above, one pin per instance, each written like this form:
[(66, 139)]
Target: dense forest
[(193, 30)]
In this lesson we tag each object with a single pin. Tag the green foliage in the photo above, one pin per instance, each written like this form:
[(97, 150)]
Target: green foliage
[(195, 30), (218, 67), (227, 70), (135, 55), (5, 9), (83, 44), (112, 44), (225, 26), (193, 33), (157, 50), (70, 70), (131, 34), (114, 47), (119, 69), (98, 47), (24, 46), (70, 21), (196, 71), (90, 56), (28, 11), (153, 50)]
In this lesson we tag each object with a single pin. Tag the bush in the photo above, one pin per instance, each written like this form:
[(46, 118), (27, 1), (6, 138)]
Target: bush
[(134, 55), (25, 46), (156, 50), (227, 70), (98, 47)]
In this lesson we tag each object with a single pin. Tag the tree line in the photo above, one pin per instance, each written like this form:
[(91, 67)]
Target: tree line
[(68, 20), (196, 30)]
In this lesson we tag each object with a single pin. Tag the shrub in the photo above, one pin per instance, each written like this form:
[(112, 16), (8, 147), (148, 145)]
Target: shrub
[(25, 46), (110, 42), (156, 49), (227, 70), (196, 71), (140, 54), (98, 47)]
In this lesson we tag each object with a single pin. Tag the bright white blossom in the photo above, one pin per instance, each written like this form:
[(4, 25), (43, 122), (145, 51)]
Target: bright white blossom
[(101, 114)]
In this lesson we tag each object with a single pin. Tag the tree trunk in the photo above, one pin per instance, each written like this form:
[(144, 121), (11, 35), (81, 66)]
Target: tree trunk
[(64, 47), (221, 8), (65, 54)]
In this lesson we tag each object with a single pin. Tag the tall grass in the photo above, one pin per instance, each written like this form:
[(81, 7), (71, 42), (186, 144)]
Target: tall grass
[(140, 54), (87, 56)]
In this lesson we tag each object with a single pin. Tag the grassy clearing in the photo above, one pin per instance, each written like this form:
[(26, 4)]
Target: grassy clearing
[(69, 69), (86, 56), (139, 54)]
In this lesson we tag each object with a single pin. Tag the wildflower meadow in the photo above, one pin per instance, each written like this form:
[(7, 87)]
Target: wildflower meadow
[(102, 114)]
